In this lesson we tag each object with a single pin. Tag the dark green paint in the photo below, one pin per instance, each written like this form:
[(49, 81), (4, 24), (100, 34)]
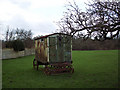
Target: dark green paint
[(59, 49)]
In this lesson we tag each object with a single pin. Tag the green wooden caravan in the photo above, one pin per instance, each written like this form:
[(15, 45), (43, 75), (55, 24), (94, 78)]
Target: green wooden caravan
[(54, 50)]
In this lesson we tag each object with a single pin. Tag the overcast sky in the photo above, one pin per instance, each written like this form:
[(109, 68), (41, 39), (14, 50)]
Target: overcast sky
[(36, 15)]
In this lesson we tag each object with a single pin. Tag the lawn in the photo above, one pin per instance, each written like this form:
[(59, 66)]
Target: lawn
[(93, 69)]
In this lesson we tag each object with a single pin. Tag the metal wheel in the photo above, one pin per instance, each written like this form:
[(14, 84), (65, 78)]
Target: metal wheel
[(37, 65), (72, 70), (47, 71), (34, 63)]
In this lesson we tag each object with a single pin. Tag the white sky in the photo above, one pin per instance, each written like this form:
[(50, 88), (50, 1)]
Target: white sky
[(36, 15)]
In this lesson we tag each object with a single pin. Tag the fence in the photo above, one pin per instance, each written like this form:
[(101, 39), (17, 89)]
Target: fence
[(10, 53)]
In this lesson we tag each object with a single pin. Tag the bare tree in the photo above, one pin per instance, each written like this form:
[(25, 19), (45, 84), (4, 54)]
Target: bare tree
[(101, 20), (7, 34), (23, 34), (19, 34)]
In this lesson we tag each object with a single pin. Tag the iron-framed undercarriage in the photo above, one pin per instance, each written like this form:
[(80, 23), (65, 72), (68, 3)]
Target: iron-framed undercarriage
[(55, 68)]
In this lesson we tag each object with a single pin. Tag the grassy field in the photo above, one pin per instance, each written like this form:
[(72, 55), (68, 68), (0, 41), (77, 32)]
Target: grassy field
[(93, 69)]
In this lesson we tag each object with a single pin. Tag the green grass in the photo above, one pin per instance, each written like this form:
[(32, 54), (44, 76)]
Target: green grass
[(93, 69)]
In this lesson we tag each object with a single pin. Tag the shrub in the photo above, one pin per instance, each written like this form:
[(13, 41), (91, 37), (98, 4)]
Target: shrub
[(18, 45), (8, 44)]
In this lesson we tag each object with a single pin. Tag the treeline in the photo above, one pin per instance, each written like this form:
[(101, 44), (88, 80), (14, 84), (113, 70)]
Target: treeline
[(18, 39), (77, 44), (89, 44)]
